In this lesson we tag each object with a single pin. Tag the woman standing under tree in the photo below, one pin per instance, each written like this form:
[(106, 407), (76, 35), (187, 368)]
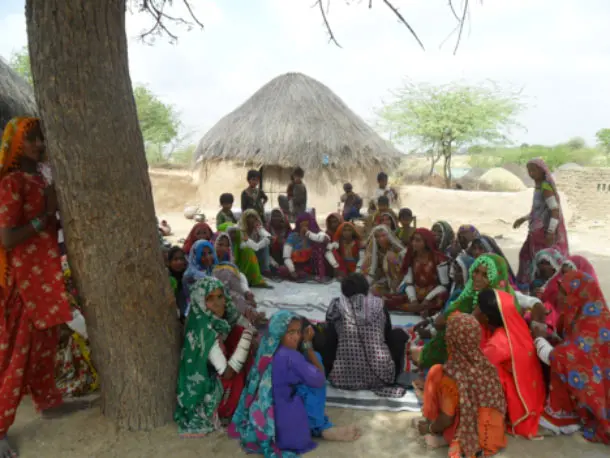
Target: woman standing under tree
[(33, 300), (547, 227)]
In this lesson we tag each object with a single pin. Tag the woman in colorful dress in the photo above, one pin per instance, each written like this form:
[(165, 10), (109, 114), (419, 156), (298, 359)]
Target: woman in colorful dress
[(488, 271), (235, 281), (580, 364), (244, 257), (445, 237), (214, 362), (279, 228), (465, 235), (464, 404), (547, 227), (176, 265), (384, 254), (284, 402), (255, 236), (347, 250), (426, 276), (486, 244), (508, 345), (333, 221), (362, 351), (200, 231), (304, 250), (29, 256)]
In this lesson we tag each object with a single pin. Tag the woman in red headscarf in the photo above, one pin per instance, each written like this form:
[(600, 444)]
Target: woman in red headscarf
[(33, 299), (580, 365), (347, 249), (200, 231), (508, 345), (426, 276)]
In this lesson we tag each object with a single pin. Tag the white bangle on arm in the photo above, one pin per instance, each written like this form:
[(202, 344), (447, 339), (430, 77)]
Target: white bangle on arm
[(553, 224)]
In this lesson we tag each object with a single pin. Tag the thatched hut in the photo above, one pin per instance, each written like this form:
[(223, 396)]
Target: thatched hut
[(292, 121), (16, 95)]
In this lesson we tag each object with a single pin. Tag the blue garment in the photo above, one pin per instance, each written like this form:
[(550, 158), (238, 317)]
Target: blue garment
[(315, 406), (196, 269), (263, 258)]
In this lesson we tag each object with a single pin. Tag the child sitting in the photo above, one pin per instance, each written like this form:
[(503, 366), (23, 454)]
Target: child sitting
[(352, 203), (406, 218), (299, 192), (347, 250), (252, 197), (225, 215), (285, 398)]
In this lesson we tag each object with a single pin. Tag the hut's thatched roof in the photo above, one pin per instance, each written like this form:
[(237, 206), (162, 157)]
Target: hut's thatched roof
[(16, 95), (295, 120)]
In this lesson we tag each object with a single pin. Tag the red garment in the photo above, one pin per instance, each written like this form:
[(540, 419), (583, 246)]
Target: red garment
[(33, 304), (347, 263), (580, 366), (430, 242), (233, 387), (339, 218), (511, 349), (194, 235)]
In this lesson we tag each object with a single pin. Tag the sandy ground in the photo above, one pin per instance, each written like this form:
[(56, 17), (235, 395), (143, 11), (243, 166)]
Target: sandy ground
[(88, 434)]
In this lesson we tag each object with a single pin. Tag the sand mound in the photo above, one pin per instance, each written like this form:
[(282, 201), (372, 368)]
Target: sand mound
[(520, 171), (570, 166), (500, 179), (172, 189)]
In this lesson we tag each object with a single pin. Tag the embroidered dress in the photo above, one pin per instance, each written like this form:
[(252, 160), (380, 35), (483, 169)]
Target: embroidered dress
[(382, 261), (33, 300), (580, 366), (539, 218), (347, 253), (304, 255), (243, 257), (279, 235)]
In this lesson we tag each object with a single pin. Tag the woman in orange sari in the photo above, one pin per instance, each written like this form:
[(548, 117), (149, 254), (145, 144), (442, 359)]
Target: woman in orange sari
[(508, 345), (33, 299), (464, 403), (347, 250)]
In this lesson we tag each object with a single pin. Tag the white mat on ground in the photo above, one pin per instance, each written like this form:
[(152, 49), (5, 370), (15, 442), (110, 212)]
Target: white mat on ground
[(311, 301)]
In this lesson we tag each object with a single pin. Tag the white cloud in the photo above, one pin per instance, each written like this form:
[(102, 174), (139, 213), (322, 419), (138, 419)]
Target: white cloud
[(553, 48)]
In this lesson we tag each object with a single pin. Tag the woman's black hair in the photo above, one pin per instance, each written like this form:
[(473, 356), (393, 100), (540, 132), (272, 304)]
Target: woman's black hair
[(227, 198), (252, 174), (173, 251), (354, 284), (298, 172), (405, 213), (382, 176), (488, 304), (383, 200)]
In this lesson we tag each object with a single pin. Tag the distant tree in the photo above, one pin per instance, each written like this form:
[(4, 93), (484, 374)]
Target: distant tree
[(603, 140), (449, 117), (20, 63), (158, 121), (576, 143)]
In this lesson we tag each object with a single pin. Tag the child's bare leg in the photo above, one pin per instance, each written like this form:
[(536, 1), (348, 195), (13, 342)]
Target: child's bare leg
[(433, 441), (341, 433)]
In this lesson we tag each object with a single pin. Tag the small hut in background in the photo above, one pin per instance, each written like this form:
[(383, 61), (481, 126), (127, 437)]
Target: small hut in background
[(292, 121), (16, 95)]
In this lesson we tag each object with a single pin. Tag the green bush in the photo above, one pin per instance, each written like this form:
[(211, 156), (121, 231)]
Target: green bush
[(554, 156)]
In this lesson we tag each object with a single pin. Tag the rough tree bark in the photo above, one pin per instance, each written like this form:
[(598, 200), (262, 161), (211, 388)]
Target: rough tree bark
[(78, 51)]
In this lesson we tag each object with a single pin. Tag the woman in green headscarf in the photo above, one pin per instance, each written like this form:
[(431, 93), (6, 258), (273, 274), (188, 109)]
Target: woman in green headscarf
[(488, 271), (244, 258), (215, 359)]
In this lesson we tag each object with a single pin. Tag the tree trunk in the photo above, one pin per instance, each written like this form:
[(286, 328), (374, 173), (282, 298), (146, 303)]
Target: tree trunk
[(83, 89), (447, 164)]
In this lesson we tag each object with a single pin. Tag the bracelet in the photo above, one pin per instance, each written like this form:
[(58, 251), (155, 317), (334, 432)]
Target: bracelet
[(553, 224), (307, 345), (37, 224), (430, 428)]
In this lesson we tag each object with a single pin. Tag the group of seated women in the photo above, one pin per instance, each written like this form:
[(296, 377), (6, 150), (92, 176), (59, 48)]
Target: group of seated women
[(492, 359)]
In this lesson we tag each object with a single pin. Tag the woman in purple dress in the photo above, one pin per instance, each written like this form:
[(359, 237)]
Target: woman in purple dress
[(283, 403)]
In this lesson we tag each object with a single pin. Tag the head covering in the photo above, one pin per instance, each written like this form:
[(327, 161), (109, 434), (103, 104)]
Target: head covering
[(199, 392), (335, 215), (393, 218), (447, 235), (196, 270), (490, 246), (286, 230), (552, 256), (254, 420), (339, 233), (468, 228), (464, 261), (580, 366), (313, 224), (581, 263), (548, 176), (228, 258), (243, 220), (430, 242), (191, 238), (174, 273), (476, 378), (11, 149), (497, 274), (372, 248)]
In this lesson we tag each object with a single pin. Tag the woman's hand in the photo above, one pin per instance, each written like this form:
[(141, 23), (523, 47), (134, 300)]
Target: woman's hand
[(549, 239), (249, 296), (539, 313), (519, 222), (309, 334), (538, 330), (423, 427), (440, 322)]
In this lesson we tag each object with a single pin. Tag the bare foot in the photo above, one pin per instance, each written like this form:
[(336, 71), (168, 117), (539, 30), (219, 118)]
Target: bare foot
[(341, 433), (433, 441), (415, 422), (6, 451), (66, 408)]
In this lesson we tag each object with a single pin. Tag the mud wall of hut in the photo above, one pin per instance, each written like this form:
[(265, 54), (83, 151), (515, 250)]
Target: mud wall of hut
[(587, 192)]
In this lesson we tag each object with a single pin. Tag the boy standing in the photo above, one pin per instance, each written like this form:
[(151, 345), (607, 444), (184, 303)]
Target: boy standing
[(299, 192), (383, 190), (352, 203), (406, 219), (225, 215), (252, 196)]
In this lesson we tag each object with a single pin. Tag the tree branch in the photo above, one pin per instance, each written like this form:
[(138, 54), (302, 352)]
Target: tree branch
[(402, 19), (462, 21), (331, 35), (156, 9)]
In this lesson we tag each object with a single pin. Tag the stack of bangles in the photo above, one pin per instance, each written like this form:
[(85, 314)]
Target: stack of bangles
[(37, 224), (307, 346), (553, 223)]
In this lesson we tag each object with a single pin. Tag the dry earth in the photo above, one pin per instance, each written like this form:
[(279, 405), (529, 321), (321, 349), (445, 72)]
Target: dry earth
[(88, 434)]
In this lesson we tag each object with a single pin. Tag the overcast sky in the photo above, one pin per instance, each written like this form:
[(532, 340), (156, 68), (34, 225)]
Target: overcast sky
[(558, 51)]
